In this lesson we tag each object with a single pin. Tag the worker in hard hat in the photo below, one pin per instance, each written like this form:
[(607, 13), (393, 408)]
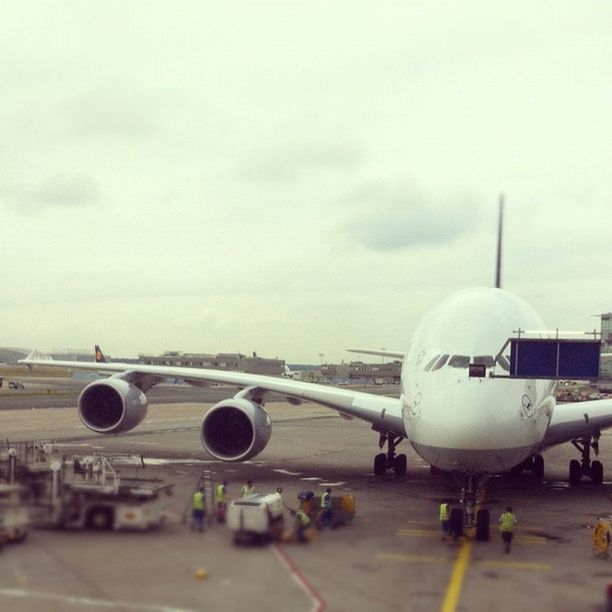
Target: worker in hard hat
[(507, 521), (221, 501)]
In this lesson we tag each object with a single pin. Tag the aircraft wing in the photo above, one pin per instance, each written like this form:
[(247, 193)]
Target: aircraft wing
[(383, 412), (379, 352), (576, 419)]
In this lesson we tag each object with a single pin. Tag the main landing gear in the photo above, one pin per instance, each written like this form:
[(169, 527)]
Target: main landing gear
[(389, 461), (586, 467)]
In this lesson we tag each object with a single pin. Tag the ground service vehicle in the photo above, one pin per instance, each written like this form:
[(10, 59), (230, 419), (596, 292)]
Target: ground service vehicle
[(256, 518)]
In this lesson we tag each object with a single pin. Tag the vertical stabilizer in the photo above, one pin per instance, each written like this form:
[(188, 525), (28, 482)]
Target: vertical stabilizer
[(499, 242), (99, 355)]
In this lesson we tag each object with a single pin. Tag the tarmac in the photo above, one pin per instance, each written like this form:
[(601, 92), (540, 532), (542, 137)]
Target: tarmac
[(391, 557)]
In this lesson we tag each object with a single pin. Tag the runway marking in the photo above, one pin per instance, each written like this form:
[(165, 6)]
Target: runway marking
[(481, 562), (430, 533), (88, 601), (456, 581), (516, 565), (412, 558), (287, 472), (318, 603)]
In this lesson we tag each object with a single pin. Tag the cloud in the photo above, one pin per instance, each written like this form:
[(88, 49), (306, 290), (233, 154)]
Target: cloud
[(394, 217), (293, 160), (70, 189)]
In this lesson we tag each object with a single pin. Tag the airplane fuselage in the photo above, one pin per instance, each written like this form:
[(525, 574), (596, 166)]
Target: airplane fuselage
[(474, 425)]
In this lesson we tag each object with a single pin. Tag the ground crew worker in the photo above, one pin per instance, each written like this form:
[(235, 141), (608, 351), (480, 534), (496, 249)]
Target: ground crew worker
[(325, 517), (221, 501), (302, 522), (198, 510), (507, 521), (444, 518), (247, 489)]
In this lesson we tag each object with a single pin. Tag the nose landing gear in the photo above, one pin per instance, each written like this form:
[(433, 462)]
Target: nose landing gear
[(384, 462), (471, 516)]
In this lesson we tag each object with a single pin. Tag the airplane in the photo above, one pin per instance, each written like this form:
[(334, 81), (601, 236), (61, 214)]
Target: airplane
[(471, 426)]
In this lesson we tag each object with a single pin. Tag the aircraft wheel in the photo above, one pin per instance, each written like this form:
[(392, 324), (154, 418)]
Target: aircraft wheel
[(538, 466), (596, 472), (455, 523), (575, 471), (483, 520), (399, 465), (380, 464), (100, 519)]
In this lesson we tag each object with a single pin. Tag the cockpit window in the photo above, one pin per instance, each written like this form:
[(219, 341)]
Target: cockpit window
[(485, 360), (504, 362), (428, 366), (459, 361), (440, 363)]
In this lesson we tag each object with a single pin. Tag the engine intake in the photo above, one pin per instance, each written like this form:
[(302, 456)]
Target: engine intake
[(112, 406), (236, 430)]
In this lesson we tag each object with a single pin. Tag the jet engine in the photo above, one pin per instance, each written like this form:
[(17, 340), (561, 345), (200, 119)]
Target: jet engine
[(236, 429), (112, 406)]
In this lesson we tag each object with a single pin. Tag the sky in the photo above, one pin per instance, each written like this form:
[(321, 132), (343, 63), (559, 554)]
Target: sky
[(297, 177)]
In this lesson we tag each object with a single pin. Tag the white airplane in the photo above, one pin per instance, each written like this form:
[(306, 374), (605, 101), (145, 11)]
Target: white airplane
[(473, 426)]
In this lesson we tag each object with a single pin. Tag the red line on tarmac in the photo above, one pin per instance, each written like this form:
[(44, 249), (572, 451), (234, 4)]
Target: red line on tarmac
[(316, 598)]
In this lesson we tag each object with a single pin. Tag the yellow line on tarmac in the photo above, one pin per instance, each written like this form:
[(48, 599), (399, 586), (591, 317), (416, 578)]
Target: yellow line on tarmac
[(412, 558), (456, 582)]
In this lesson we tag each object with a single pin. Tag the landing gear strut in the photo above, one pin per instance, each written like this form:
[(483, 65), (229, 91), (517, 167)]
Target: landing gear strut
[(586, 467), (384, 462), (470, 516)]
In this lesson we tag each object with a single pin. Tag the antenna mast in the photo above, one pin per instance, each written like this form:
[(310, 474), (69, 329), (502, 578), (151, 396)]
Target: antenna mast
[(499, 242)]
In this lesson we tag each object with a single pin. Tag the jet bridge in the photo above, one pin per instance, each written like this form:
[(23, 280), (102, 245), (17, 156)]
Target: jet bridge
[(558, 356)]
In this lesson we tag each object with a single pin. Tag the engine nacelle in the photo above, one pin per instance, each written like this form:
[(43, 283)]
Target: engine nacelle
[(112, 406), (236, 430)]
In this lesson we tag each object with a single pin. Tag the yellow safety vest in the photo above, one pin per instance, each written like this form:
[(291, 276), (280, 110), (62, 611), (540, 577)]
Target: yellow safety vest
[(302, 518), (326, 500), (444, 512), (198, 501), (246, 490), (506, 521), (220, 493)]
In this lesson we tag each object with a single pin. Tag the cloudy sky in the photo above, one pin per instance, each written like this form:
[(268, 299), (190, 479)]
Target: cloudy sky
[(296, 177)]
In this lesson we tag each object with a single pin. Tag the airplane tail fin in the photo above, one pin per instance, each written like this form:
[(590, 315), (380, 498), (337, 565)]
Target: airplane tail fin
[(499, 242), (99, 355)]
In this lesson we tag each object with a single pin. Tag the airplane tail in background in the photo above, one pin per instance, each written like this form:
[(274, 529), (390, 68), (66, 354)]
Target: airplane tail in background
[(99, 355), (499, 242)]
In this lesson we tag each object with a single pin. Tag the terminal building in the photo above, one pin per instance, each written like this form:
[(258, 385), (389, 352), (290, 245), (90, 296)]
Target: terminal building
[(232, 362), (359, 371)]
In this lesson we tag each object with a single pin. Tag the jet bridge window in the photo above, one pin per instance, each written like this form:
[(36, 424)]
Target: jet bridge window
[(459, 361), (440, 363)]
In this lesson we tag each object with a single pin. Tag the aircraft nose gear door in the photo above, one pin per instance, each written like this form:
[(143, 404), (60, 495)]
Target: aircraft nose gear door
[(384, 462)]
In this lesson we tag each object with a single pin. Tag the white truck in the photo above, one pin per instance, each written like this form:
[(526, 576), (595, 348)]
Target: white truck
[(14, 518), (256, 518)]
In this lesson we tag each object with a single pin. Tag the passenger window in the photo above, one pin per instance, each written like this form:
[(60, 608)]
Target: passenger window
[(428, 366), (459, 361), (440, 363)]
